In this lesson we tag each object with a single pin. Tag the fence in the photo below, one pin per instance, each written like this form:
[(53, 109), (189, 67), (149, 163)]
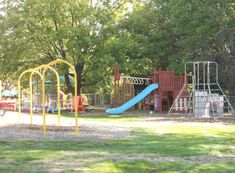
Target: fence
[(204, 105), (99, 99)]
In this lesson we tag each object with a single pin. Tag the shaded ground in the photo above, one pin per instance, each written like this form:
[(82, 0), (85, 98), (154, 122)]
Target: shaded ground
[(13, 129)]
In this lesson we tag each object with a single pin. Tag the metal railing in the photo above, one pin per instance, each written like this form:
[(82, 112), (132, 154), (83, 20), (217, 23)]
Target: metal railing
[(202, 106), (99, 99)]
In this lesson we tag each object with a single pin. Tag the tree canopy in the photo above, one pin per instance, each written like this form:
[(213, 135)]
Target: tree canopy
[(138, 35)]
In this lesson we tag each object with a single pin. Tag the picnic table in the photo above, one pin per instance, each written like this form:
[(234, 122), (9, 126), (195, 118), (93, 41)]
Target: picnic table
[(8, 105)]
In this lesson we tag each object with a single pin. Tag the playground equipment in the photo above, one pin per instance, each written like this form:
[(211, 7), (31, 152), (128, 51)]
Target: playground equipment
[(8, 100), (133, 101), (9, 94), (82, 103), (127, 90), (197, 91), (206, 97), (84, 99), (8, 105), (169, 88), (41, 71), (124, 86)]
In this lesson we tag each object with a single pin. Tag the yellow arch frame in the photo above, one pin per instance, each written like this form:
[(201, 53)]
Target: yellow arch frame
[(31, 92), (45, 68), (44, 98), (19, 90)]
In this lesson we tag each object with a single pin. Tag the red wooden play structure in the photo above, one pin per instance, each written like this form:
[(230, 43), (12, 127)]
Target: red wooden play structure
[(169, 88)]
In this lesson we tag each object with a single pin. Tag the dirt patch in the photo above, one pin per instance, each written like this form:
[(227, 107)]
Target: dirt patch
[(86, 132), (226, 120), (13, 129), (162, 159), (79, 160)]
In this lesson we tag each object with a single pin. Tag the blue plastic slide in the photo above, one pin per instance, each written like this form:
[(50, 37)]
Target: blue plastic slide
[(133, 101)]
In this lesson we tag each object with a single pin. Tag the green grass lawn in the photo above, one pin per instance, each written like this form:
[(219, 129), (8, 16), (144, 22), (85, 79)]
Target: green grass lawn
[(182, 147), (104, 117)]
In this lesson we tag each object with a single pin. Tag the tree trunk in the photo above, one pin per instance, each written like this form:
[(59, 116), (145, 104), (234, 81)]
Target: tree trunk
[(70, 88), (79, 69)]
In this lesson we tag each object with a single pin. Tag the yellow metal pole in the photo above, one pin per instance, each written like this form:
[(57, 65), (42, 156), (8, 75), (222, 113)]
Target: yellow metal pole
[(19, 102), (43, 106), (58, 61), (31, 97), (58, 87), (43, 93), (19, 91), (76, 100), (58, 91), (31, 90), (45, 67), (58, 97)]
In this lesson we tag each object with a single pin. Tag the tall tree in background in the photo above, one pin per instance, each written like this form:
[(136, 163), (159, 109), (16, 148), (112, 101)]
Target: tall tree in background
[(138, 35), (36, 32), (172, 32), (169, 33), (200, 30), (132, 46)]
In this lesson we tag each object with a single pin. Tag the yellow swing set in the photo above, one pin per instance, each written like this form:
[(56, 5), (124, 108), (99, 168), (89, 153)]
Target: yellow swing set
[(41, 71)]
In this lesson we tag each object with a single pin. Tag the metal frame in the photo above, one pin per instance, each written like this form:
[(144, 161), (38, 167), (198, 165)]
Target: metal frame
[(128, 90), (201, 80), (137, 80), (41, 71)]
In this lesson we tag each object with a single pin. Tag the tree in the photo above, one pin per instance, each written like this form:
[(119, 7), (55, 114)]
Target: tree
[(193, 27), (138, 35), (37, 32), (170, 33)]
